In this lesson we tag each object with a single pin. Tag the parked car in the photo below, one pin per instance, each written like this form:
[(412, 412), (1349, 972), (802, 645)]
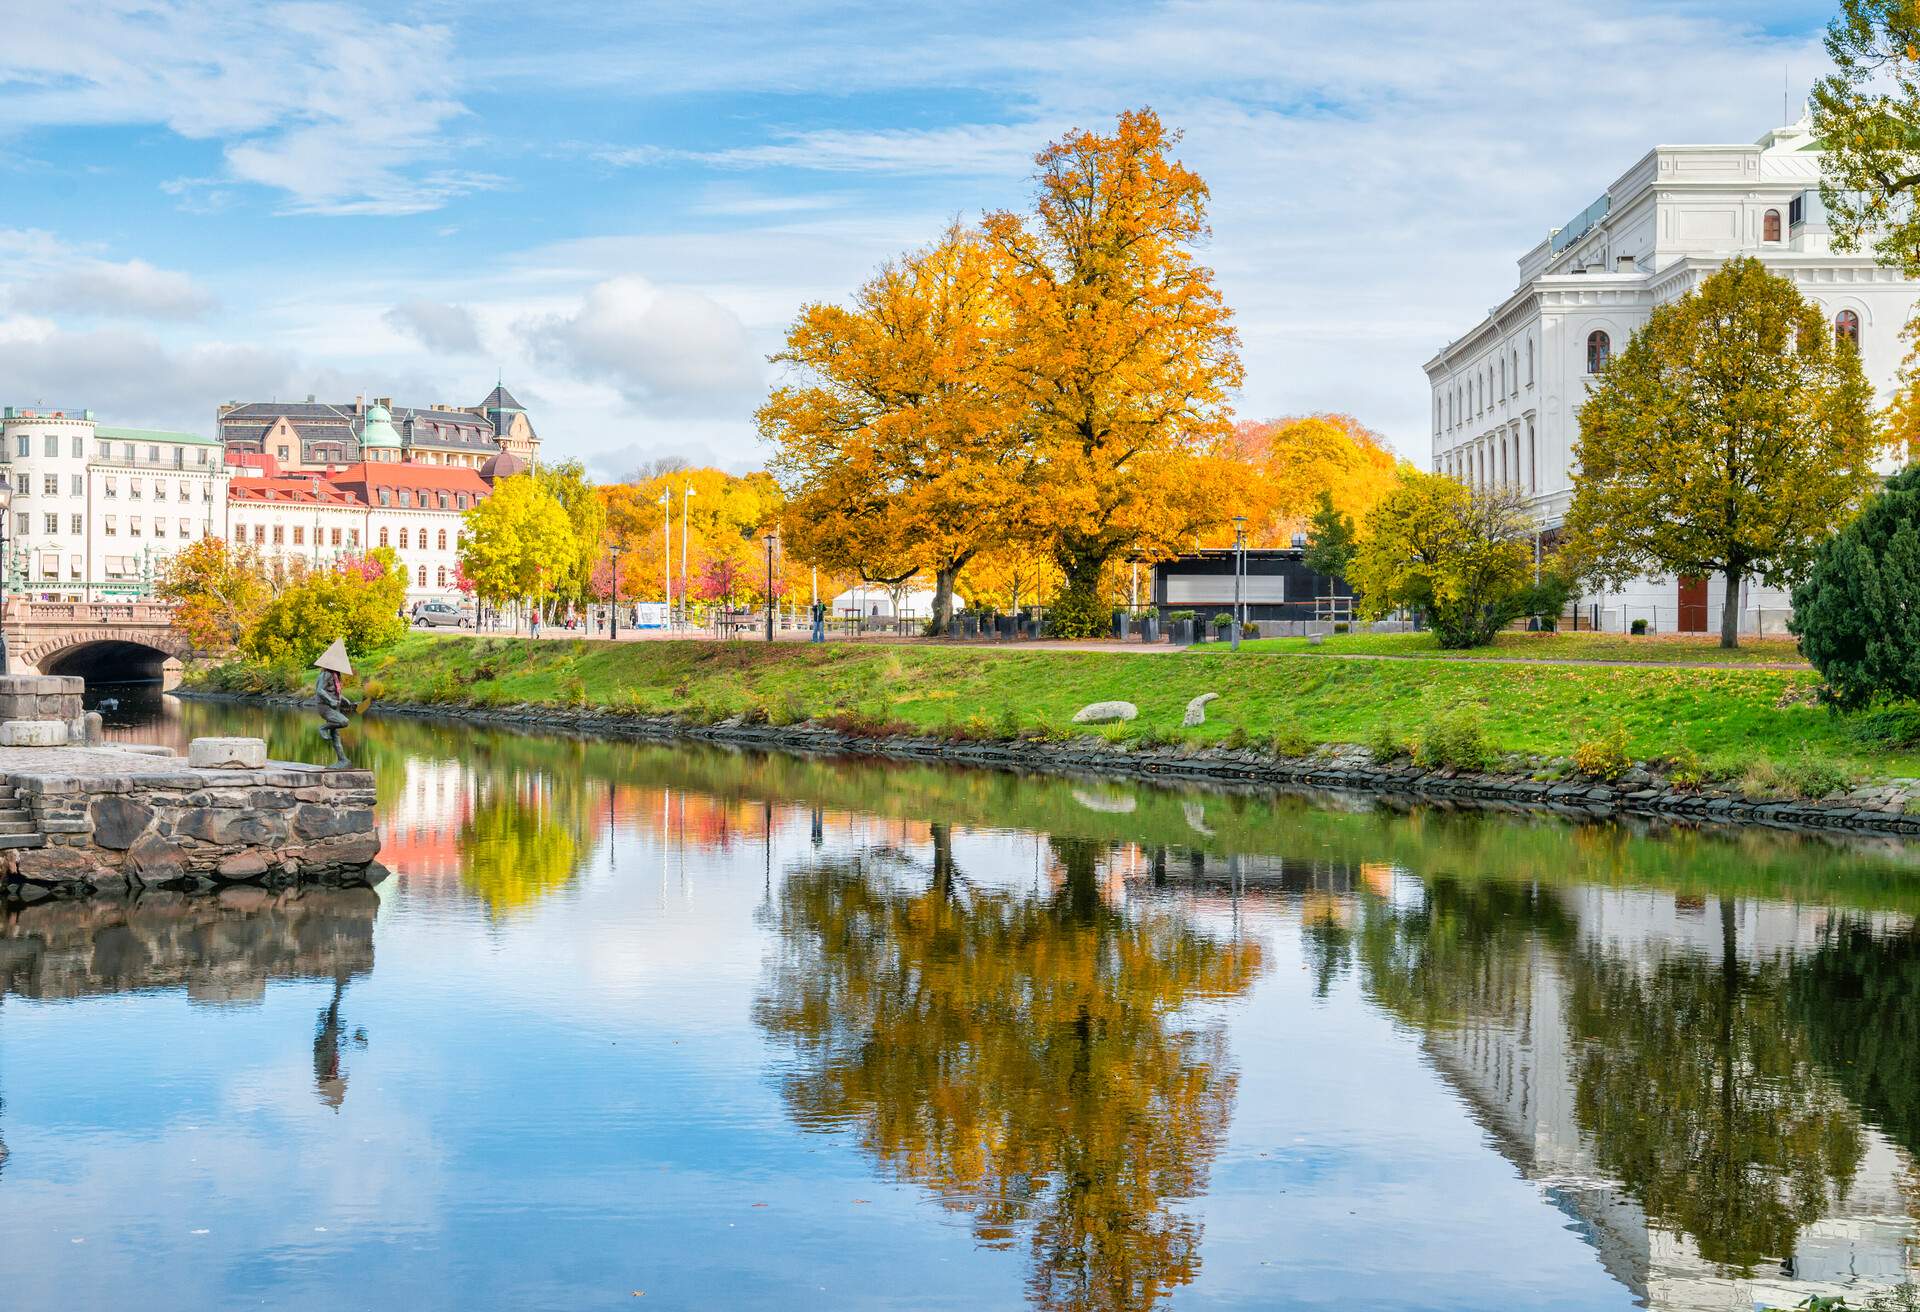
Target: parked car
[(440, 614)]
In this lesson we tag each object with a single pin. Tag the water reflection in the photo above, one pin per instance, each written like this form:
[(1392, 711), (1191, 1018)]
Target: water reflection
[(1027, 1056), (1039, 1003)]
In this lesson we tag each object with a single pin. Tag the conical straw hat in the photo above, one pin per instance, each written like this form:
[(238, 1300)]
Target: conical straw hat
[(334, 658)]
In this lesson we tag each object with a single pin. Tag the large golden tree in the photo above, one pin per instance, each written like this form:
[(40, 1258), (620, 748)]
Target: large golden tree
[(1730, 437), (900, 447), (1122, 353)]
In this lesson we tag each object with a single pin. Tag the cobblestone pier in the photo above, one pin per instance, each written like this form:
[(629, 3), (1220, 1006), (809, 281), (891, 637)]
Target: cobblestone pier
[(108, 818)]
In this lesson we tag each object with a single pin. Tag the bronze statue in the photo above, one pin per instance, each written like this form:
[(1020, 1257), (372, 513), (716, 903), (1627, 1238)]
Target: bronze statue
[(333, 704)]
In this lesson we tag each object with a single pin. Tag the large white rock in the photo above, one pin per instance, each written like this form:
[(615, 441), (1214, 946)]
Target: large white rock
[(33, 733), (1102, 712), (227, 753), (1197, 710)]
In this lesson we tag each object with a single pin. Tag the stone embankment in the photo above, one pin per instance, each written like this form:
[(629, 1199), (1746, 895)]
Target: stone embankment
[(1879, 808), (109, 819)]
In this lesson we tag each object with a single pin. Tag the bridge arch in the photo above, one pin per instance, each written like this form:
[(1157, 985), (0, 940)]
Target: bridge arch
[(107, 655)]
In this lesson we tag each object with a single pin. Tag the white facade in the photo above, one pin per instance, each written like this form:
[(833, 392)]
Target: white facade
[(1506, 395), (96, 510)]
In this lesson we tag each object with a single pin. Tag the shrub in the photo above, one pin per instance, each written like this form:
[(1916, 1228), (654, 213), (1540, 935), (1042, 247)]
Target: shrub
[(1857, 612), (1804, 776), (1683, 767), (1175, 616), (1223, 620), (1249, 631), (1384, 743), (1291, 740), (1341, 626), (1237, 738), (357, 601), (1603, 756), (1638, 628), (1009, 722), (1456, 740)]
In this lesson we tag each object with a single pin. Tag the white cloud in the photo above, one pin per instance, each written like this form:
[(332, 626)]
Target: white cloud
[(437, 326), (660, 347), (342, 112), (132, 378), (99, 287), (967, 149)]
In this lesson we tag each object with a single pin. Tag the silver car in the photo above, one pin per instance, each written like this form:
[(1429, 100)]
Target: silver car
[(440, 614)]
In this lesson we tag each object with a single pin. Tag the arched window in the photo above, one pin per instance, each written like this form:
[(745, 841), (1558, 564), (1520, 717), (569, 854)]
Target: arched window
[(403, 536), (440, 577), (1846, 328), (1599, 351), (1515, 375), (441, 542), (423, 576), (1503, 376), (1529, 362), (383, 537), (1770, 226)]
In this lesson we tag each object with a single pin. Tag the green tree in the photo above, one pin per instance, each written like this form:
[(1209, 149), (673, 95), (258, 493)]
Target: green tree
[(1461, 556), (1729, 437), (586, 514), (1866, 114), (1330, 538), (519, 544), (357, 600), (1857, 612)]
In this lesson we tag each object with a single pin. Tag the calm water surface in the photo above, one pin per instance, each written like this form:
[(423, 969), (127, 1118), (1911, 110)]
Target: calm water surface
[(735, 1031)]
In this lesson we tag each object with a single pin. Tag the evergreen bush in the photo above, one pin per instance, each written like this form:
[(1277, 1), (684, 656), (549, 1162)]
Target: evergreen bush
[(1857, 612)]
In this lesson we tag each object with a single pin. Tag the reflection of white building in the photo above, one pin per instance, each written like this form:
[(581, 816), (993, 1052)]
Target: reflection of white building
[(1505, 394), (1513, 1061)]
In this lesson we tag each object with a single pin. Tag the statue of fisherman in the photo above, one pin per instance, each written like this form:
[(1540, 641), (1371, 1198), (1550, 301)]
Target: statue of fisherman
[(332, 703)]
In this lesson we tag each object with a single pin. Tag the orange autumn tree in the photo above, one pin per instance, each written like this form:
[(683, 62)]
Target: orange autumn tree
[(1291, 461), (899, 448), (1122, 353)]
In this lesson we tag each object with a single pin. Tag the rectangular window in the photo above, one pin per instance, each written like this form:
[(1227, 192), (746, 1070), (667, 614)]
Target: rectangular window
[(133, 489), (159, 527), (23, 483), (386, 497), (23, 445), (283, 453), (353, 537), (106, 449), (259, 535), (133, 526), (79, 524), (179, 457), (203, 456), (336, 537), (186, 528), (76, 567), (406, 497), (159, 490), (113, 529), (153, 455), (126, 452), (279, 535), (53, 523), (50, 484), (20, 523), (186, 493), (79, 485), (49, 565), (299, 535), (109, 488)]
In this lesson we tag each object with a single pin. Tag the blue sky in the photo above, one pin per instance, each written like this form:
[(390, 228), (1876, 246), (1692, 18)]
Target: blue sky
[(618, 207)]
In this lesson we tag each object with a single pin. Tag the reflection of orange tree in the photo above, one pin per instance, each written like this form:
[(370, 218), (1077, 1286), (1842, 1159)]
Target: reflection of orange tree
[(1019, 1056)]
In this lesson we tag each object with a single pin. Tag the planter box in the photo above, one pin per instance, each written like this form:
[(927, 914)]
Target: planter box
[(969, 627), (1182, 631)]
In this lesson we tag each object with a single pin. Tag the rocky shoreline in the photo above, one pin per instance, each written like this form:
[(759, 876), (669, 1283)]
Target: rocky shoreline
[(1873, 809)]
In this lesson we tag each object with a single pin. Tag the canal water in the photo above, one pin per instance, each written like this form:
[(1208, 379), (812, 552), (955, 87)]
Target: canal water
[(723, 1030)]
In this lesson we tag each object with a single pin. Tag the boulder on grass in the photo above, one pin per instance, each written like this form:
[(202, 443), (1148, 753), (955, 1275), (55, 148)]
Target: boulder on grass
[(1105, 712), (1197, 710)]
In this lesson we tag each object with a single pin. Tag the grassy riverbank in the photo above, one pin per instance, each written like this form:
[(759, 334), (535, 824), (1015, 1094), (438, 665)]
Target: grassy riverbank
[(1651, 649), (1729, 723)]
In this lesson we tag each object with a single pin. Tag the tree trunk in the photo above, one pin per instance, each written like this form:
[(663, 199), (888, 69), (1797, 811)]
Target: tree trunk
[(1730, 609), (943, 580), (1076, 610)]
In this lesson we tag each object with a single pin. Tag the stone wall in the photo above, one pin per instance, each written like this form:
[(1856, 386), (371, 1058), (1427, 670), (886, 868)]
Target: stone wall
[(177, 827), (40, 696)]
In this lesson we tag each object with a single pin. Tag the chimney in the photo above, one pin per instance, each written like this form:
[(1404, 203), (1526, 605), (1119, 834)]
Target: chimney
[(360, 403), (386, 401), (309, 398), (1625, 264)]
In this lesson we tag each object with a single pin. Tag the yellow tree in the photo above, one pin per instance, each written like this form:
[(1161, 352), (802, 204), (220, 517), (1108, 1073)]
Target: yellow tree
[(518, 543), (218, 592), (1730, 437), (1122, 352), (1291, 462), (900, 451)]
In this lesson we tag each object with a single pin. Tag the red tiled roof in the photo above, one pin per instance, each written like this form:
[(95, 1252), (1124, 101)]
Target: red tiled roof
[(297, 489), (439, 478)]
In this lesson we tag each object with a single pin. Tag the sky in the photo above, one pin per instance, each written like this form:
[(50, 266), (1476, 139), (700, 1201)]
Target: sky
[(617, 209)]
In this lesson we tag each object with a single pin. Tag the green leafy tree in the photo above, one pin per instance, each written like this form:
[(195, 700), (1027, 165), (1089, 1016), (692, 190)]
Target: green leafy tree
[(1857, 612), (1866, 114), (1729, 437), (1330, 538), (586, 512), (357, 600), (520, 544), (1461, 556)]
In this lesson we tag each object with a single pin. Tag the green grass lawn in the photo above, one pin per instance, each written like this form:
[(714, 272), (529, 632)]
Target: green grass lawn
[(1732, 718), (1660, 649)]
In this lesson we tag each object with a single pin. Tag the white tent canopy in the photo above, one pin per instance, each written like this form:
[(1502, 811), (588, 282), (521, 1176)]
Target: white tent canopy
[(871, 601)]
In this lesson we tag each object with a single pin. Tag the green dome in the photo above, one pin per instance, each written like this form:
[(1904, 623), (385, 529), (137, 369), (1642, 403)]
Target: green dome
[(378, 430)]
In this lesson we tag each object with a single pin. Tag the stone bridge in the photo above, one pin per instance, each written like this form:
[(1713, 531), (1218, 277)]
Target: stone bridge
[(102, 641)]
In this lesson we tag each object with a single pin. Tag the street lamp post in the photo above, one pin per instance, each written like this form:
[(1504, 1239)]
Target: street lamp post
[(686, 531), (769, 587), (613, 611), (1239, 568), (6, 507)]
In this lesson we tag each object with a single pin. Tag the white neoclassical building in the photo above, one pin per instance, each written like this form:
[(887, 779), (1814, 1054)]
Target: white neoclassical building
[(1507, 392)]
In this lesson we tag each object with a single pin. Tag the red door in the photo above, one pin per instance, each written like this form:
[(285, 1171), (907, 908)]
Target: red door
[(1693, 605)]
